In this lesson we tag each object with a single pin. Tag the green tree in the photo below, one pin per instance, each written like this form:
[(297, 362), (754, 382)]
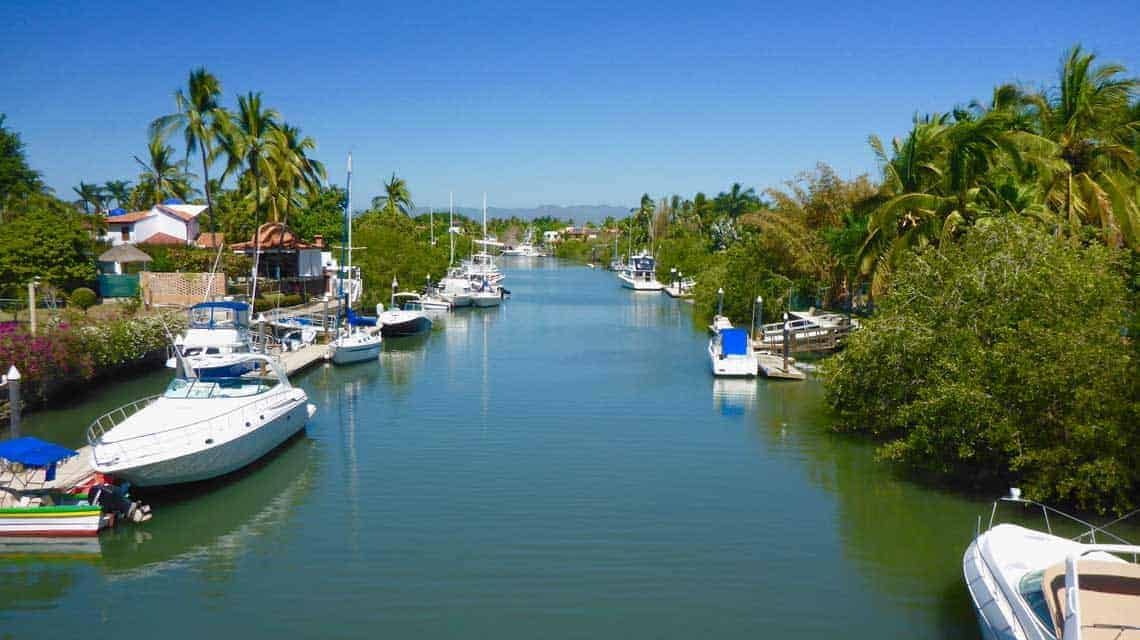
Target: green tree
[(197, 116), (992, 375), (17, 179), (119, 191), (47, 239), (162, 176), (396, 198), (90, 195)]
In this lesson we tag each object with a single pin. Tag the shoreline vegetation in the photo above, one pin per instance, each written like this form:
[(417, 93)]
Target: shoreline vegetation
[(996, 254)]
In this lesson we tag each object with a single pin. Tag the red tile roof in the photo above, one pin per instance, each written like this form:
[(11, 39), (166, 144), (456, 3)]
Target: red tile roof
[(128, 218), (272, 237), (163, 238)]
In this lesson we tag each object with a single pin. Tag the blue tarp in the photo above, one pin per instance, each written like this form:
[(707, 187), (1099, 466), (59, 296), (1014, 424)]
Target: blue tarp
[(360, 321), (34, 452), (734, 342)]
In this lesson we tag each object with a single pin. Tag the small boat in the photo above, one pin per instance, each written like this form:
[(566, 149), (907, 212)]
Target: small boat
[(354, 342), (681, 288), (1036, 585), (216, 337), (200, 428), (730, 353), (31, 504), (641, 273), (405, 317)]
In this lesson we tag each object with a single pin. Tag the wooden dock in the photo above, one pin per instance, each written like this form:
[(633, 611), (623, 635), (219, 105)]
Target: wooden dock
[(303, 358), (808, 332), (772, 366)]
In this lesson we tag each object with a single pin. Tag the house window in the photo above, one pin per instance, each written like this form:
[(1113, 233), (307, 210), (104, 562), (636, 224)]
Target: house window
[(125, 232)]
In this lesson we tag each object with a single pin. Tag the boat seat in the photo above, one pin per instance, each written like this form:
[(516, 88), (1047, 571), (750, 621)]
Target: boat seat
[(1109, 597)]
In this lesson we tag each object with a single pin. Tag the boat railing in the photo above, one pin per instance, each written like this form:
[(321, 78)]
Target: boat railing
[(1091, 532), (190, 435)]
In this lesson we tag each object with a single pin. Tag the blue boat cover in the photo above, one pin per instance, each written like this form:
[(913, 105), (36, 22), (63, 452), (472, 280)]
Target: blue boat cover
[(34, 452), (223, 304), (734, 342), (359, 321)]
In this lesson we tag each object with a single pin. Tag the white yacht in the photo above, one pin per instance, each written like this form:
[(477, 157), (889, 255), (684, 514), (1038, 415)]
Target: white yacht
[(525, 249), (455, 288), (1032, 585), (216, 338), (731, 355), (485, 293), (200, 428), (641, 273)]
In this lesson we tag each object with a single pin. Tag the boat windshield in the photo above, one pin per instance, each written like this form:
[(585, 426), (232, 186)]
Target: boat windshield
[(197, 388), (215, 317), (1030, 589)]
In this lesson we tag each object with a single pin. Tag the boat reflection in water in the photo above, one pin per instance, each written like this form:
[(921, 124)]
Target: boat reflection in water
[(734, 396), (217, 521)]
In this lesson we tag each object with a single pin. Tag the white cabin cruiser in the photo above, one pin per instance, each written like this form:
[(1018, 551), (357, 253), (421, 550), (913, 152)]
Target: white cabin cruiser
[(1033, 585), (405, 317), (731, 355), (455, 288), (641, 273), (216, 339), (485, 293), (200, 428)]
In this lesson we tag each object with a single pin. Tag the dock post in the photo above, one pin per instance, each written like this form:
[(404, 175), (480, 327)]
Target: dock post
[(32, 305), (786, 340), (325, 317), (13, 382)]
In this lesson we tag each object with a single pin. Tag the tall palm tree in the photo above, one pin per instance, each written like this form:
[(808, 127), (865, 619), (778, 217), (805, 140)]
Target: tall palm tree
[(737, 200), (90, 194), (198, 117), (246, 140), (1090, 119), (162, 176), (396, 199), (119, 190)]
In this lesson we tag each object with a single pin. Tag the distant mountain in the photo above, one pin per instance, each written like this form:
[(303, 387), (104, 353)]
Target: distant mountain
[(580, 213)]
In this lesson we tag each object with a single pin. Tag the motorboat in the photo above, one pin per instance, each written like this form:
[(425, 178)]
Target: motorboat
[(525, 249), (482, 265), (719, 321), (730, 353), (199, 428), (37, 499), (455, 288), (1028, 584), (216, 338), (354, 344), (641, 273), (404, 317)]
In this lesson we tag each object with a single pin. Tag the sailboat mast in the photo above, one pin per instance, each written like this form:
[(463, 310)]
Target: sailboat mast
[(451, 225), (484, 218), (431, 224), (346, 234)]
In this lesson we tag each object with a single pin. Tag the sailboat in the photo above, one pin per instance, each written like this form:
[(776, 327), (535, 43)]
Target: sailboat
[(485, 289), (354, 341), (454, 287)]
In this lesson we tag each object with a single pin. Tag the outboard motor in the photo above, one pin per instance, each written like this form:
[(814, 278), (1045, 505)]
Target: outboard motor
[(116, 500)]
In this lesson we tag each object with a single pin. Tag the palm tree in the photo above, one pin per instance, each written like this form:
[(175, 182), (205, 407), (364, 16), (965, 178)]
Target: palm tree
[(737, 200), (1090, 119), (120, 190), (90, 194), (198, 116), (162, 176), (396, 199)]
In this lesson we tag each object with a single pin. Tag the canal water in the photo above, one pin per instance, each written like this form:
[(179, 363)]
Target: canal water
[(561, 467)]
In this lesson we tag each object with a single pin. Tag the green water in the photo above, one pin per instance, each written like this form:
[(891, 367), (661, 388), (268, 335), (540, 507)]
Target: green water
[(563, 466)]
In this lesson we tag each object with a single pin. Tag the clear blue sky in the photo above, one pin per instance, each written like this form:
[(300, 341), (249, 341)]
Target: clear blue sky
[(558, 104)]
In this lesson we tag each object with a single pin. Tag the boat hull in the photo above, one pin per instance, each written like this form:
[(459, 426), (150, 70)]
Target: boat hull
[(409, 327), (732, 366), (223, 458), (347, 354), (51, 522), (486, 301), (640, 285)]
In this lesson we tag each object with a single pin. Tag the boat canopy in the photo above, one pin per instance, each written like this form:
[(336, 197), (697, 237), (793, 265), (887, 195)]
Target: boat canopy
[(33, 452), (359, 321), (734, 342), (224, 314)]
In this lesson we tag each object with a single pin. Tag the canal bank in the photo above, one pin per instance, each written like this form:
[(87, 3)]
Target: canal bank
[(563, 465)]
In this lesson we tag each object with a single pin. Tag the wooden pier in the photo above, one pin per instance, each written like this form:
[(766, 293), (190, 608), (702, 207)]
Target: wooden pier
[(809, 332), (772, 366)]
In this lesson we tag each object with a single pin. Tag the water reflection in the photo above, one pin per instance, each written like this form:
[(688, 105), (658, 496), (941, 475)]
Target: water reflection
[(734, 396), (211, 525)]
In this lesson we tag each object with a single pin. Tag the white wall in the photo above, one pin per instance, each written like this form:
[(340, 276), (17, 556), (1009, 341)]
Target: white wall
[(309, 263)]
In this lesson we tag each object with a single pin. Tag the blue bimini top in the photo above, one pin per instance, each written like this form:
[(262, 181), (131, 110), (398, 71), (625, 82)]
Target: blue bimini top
[(34, 452), (734, 342)]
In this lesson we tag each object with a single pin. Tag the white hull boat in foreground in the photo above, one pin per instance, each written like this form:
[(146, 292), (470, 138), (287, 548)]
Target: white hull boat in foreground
[(1033, 585), (199, 428), (730, 354)]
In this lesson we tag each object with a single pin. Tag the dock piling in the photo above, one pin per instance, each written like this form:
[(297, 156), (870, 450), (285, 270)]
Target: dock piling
[(12, 380)]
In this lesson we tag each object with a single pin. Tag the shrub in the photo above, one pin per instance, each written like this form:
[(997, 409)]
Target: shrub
[(1001, 360), (83, 298), (274, 300)]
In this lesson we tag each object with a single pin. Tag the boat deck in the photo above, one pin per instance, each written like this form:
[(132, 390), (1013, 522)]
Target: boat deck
[(69, 473)]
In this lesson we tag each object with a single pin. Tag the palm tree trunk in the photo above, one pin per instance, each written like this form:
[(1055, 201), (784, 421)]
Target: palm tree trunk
[(209, 197)]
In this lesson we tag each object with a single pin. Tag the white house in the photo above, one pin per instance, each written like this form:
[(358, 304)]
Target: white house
[(167, 223)]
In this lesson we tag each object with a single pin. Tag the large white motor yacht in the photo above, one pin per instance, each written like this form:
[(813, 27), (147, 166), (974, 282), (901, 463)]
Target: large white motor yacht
[(200, 428), (1032, 585), (641, 273)]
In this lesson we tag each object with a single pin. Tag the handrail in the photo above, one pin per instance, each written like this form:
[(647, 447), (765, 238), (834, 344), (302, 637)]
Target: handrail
[(212, 424), (1046, 510), (134, 407)]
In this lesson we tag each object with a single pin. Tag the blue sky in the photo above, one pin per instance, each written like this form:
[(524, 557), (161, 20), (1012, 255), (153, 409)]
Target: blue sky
[(562, 104)]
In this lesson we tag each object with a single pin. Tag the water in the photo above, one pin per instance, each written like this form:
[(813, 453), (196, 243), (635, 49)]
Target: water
[(561, 467)]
